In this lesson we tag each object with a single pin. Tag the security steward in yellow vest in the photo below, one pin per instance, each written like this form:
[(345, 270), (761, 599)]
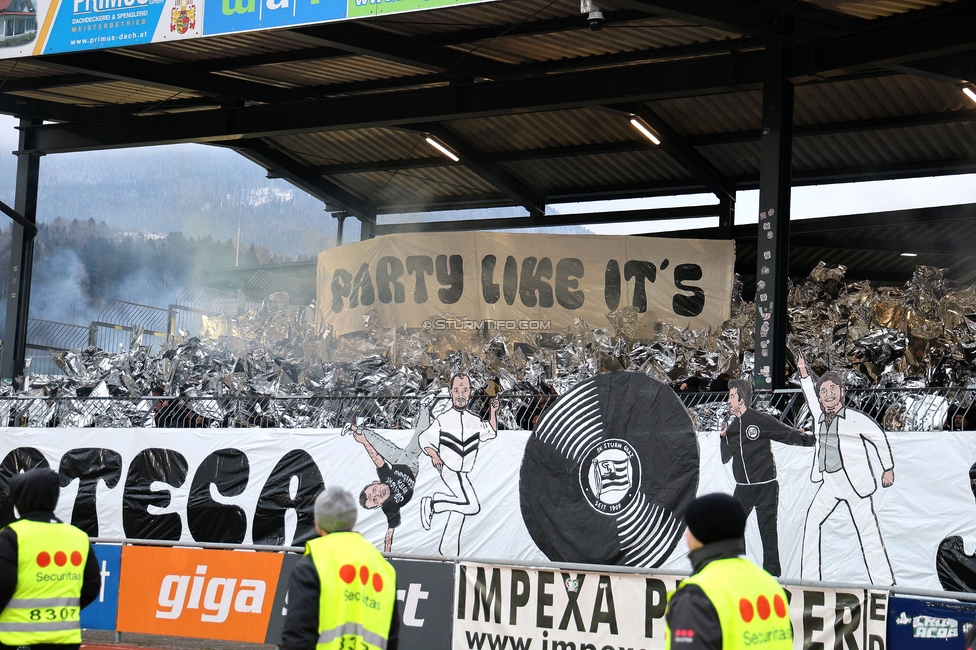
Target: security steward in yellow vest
[(48, 569), (728, 602), (342, 593)]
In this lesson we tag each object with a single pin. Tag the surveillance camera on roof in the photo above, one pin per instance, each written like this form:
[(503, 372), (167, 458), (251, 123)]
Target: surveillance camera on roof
[(594, 16)]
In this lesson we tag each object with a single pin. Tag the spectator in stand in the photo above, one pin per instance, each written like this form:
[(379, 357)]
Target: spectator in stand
[(174, 414), (959, 419), (720, 384), (693, 384)]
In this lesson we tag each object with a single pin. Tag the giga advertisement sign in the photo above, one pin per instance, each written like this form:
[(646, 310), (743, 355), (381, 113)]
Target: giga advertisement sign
[(198, 593)]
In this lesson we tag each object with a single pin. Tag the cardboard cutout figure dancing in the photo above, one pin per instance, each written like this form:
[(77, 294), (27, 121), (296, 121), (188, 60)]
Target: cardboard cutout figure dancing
[(746, 442), (452, 442), (396, 468), (843, 468)]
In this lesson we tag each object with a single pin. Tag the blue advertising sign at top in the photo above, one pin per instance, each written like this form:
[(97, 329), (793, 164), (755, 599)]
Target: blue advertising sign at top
[(55, 26), (90, 24), (224, 16)]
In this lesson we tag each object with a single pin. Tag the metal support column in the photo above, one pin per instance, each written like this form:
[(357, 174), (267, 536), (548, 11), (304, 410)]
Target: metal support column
[(340, 226), (726, 215), (367, 229), (773, 250), (21, 256)]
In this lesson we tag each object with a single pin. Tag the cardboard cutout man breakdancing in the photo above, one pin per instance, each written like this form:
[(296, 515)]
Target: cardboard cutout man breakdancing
[(843, 468), (452, 442)]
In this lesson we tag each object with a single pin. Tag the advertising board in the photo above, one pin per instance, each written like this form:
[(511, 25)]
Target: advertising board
[(197, 593), (514, 608), (101, 614), (929, 623), (35, 27)]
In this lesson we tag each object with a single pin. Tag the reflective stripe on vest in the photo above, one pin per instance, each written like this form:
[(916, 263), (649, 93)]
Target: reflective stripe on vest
[(358, 592), (353, 629), (752, 607), (45, 607)]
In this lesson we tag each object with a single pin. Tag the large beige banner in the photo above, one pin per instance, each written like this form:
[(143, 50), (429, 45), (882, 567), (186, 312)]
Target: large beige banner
[(523, 282)]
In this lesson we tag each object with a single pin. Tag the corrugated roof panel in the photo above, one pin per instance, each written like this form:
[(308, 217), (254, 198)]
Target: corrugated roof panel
[(595, 171), (361, 145), (22, 68), (320, 72), (416, 184), (874, 8), (841, 101), (741, 159), (550, 129), (626, 37), (226, 46), (713, 113), (872, 148), (114, 92), (873, 98)]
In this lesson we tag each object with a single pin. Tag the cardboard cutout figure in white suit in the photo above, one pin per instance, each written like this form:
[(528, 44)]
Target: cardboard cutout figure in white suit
[(842, 466)]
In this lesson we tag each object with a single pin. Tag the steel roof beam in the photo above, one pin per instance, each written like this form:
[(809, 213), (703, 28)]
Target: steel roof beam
[(885, 244), (331, 193), (532, 27), (266, 58), (548, 221), (693, 186), (476, 161), (720, 74), (791, 18), (118, 67), (912, 36), (56, 111), (949, 30), (24, 84), (947, 69), (362, 40), (719, 14), (733, 137)]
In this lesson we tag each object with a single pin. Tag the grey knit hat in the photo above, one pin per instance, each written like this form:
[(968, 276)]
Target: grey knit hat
[(335, 510)]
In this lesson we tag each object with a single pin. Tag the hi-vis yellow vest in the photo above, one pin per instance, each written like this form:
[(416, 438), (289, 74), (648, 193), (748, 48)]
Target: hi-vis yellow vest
[(46, 607), (358, 592), (752, 607)]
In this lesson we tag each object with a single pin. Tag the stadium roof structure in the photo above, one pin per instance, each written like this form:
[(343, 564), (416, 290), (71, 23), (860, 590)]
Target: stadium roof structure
[(532, 108)]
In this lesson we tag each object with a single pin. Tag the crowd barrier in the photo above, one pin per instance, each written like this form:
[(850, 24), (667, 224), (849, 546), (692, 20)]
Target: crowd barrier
[(908, 409), (211, 591)]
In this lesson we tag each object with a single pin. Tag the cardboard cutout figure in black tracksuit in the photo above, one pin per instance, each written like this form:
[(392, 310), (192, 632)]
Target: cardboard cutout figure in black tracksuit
[(746, 442)]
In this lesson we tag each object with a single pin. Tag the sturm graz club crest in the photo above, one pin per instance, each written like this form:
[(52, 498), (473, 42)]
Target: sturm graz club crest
[(752, 432), (609, 476), (608, 471)]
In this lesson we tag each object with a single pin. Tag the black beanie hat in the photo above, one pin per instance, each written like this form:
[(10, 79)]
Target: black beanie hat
[(716, 517)]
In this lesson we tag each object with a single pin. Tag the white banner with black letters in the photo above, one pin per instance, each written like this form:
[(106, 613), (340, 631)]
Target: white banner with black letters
[(258, 486), (523, 281), (513, 608)]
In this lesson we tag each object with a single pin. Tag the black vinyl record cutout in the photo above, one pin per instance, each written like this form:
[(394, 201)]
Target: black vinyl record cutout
[(608, 471)]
